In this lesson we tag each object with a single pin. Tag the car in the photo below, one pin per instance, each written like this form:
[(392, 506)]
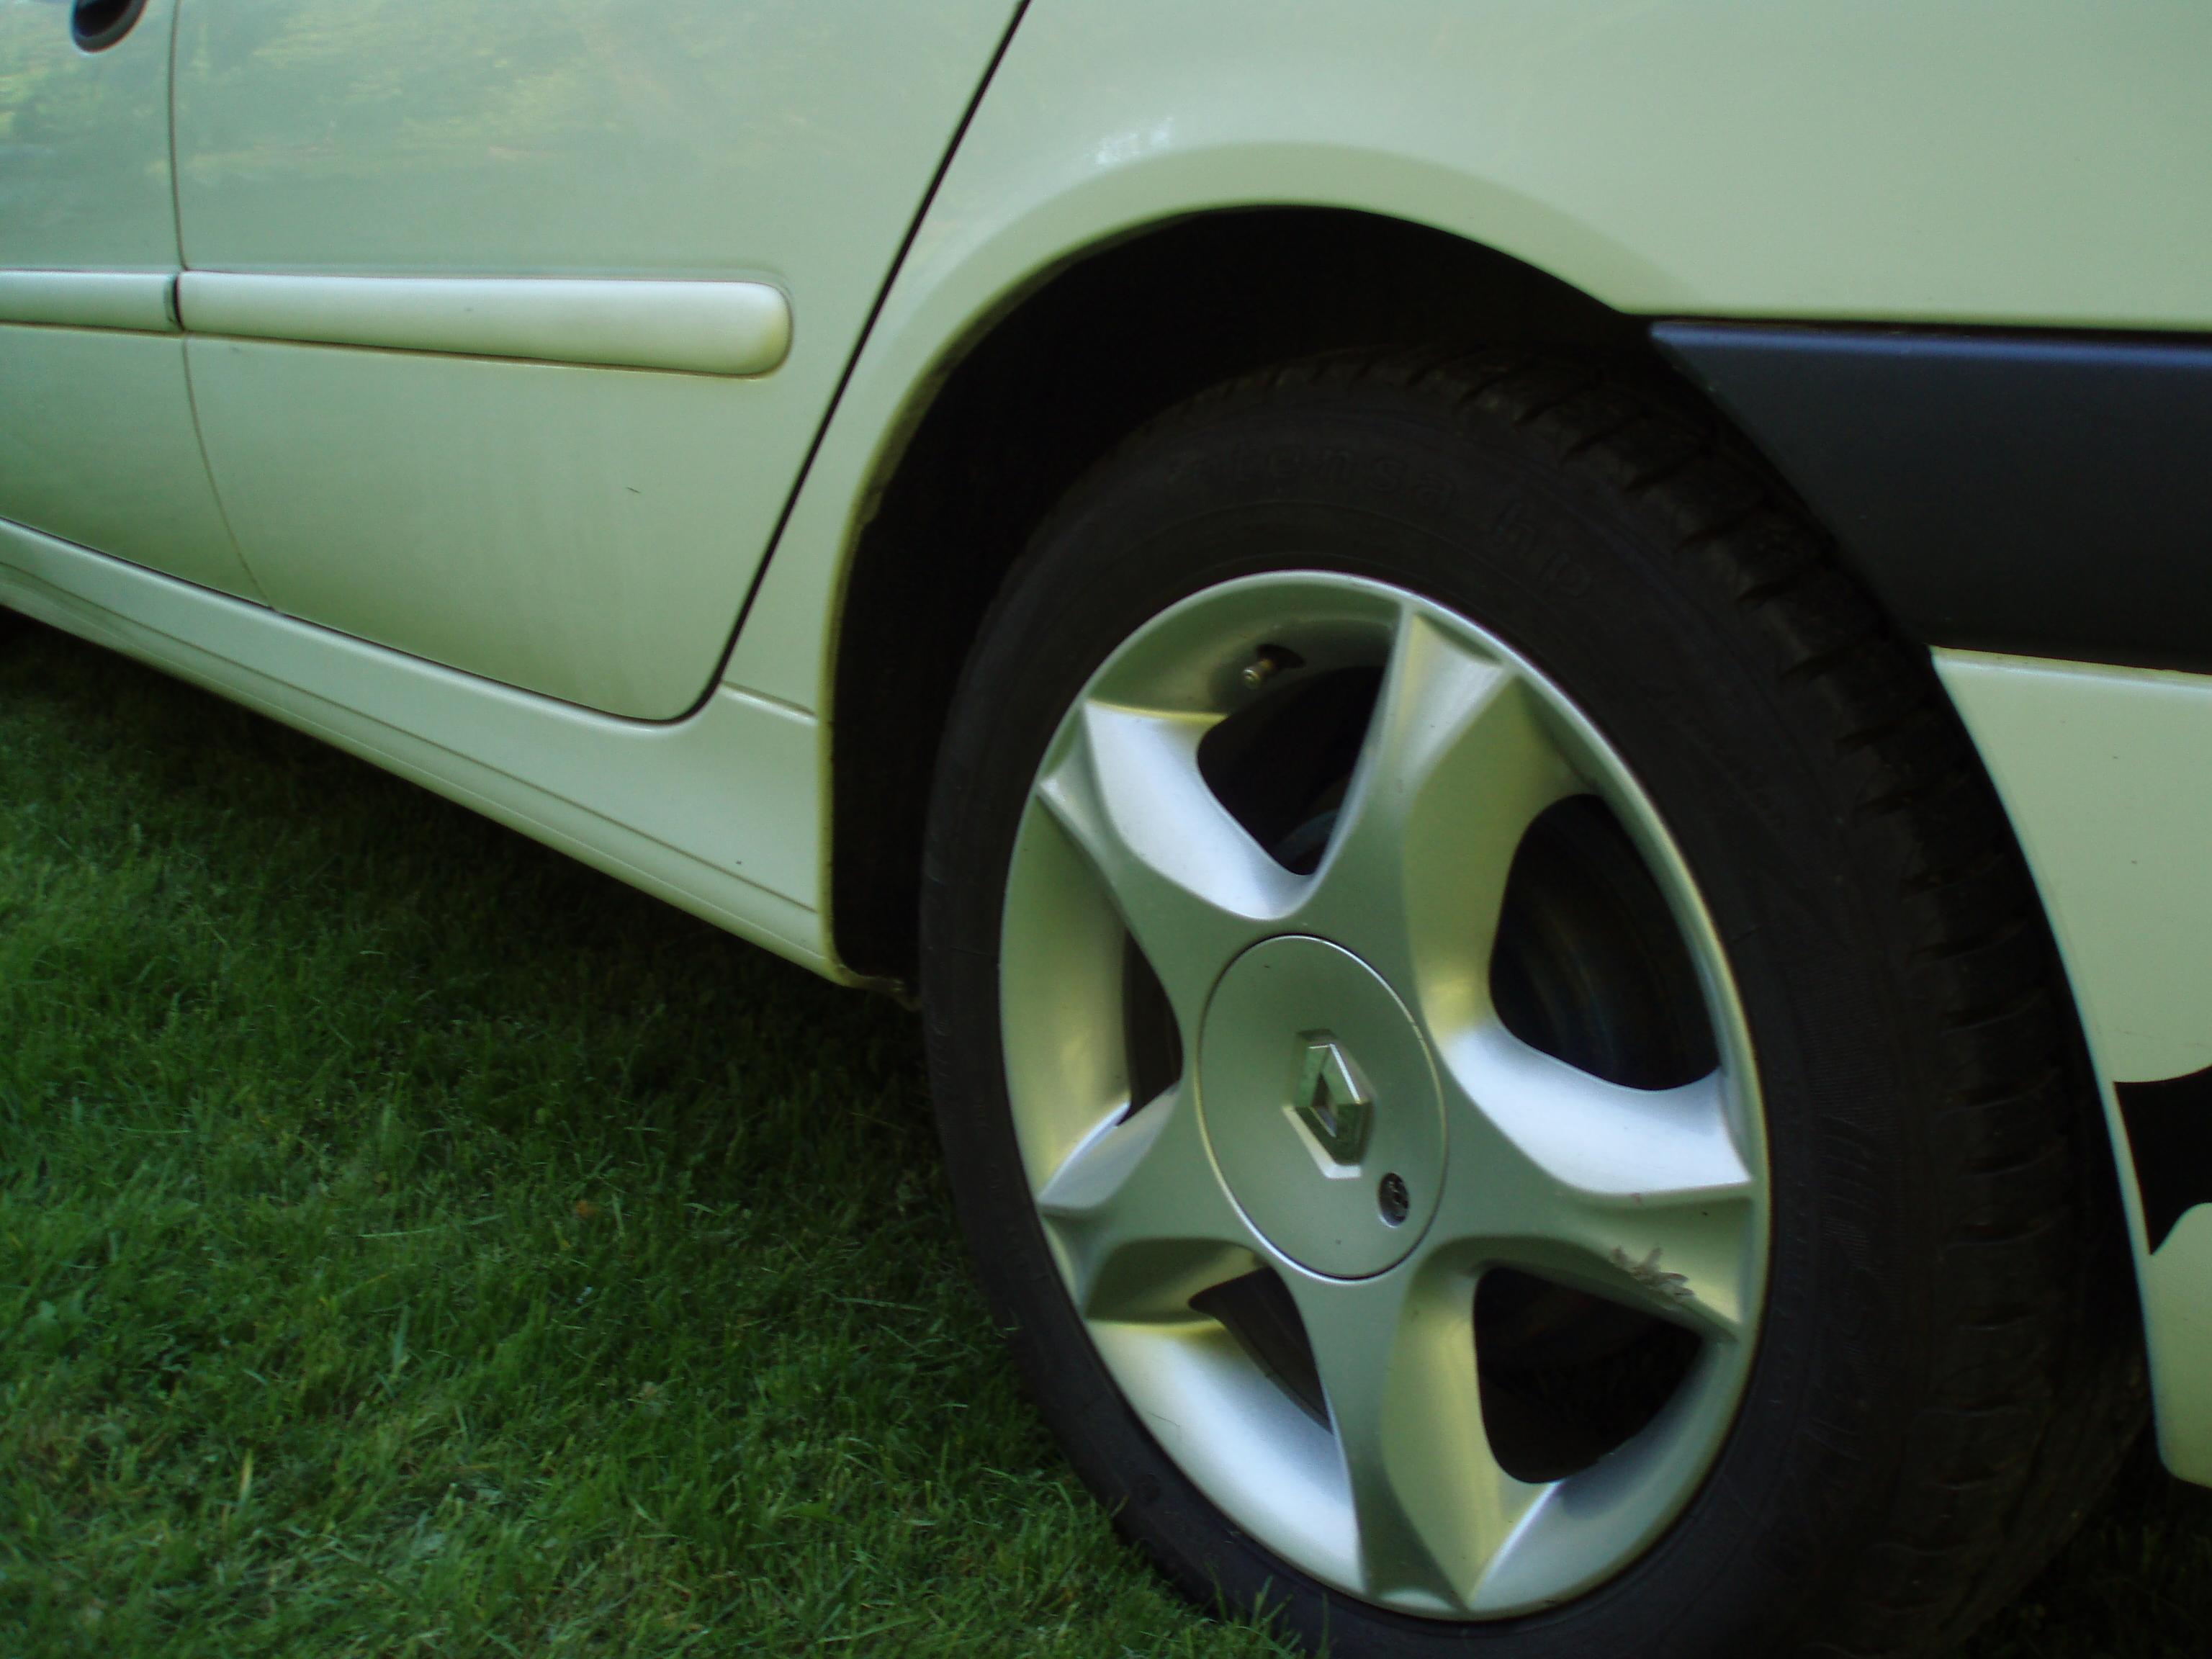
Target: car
[(1523, 689)]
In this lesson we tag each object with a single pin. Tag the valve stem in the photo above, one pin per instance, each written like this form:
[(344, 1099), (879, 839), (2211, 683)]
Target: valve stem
[(1268, 661)]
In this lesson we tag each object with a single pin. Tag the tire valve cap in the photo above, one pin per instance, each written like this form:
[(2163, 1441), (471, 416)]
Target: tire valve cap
[(1392, 1199), (1268, 662)]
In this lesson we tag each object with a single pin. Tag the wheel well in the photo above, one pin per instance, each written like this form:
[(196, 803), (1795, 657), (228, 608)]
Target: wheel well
[(1084, 357)]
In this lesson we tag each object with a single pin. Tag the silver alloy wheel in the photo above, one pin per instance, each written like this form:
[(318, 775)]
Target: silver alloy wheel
[(1352, 1112)]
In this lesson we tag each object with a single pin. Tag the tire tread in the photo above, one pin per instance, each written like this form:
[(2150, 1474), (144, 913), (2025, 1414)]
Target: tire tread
[(2053, 1393)]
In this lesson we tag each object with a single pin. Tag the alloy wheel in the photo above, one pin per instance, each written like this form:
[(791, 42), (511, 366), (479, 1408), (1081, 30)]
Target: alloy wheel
[(1383, 1095)]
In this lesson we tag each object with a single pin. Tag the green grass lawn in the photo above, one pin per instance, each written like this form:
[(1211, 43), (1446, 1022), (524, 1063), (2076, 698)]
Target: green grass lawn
[(413, 1241)]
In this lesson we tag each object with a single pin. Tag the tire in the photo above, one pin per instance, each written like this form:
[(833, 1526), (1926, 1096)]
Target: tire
[(1768, 1292)]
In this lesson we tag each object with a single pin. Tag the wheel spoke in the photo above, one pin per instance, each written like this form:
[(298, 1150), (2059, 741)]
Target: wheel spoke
[(1397, 1366), (1457, 764), (1637, 1195), (1144, 1221), (1353, 1121), (1191, 885)]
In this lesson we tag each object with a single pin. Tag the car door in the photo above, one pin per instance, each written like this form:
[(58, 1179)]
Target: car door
[(96, 437), (511, 326)]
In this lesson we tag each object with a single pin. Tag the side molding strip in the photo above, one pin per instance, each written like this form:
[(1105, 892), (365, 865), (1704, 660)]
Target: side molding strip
[(136, 300), (2038, 494), (704, 328)]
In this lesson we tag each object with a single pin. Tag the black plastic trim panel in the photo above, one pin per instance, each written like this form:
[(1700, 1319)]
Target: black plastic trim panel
[(2169, 1127), (2044, 494)]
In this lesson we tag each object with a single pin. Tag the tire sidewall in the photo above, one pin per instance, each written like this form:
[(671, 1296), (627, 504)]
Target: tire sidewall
[(1478, 515)]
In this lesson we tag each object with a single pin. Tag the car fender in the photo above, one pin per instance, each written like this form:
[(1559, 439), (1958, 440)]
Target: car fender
[(1892, 164)]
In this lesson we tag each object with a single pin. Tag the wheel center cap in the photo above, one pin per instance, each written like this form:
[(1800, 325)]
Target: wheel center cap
[(1321, 1106)]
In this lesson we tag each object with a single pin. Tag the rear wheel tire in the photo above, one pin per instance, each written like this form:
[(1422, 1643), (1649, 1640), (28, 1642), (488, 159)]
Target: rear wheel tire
[(1498, 1059)]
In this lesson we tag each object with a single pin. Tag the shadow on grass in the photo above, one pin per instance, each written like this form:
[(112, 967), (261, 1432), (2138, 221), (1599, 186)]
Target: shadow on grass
[(416, 1241), (2136, 1582)]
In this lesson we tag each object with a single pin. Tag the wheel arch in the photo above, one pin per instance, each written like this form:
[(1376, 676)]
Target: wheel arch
[(1050, 380)]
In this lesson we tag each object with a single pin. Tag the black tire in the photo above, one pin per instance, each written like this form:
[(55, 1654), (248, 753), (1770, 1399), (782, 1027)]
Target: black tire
[(1949, 1370)]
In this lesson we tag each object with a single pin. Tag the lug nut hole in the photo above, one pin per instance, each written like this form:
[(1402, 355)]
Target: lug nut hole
[(1392, 1199)]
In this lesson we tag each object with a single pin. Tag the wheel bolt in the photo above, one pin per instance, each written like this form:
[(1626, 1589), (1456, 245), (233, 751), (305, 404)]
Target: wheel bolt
[(1392, 1200)]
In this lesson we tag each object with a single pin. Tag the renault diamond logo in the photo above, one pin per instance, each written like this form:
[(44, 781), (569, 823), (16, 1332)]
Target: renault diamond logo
[(1331, 1108)]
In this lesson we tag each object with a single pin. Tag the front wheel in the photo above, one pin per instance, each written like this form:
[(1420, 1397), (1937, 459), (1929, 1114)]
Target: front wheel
[(1494, 1050)]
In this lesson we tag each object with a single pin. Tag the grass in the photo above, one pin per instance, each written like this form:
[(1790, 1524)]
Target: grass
[(412, 1242)]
